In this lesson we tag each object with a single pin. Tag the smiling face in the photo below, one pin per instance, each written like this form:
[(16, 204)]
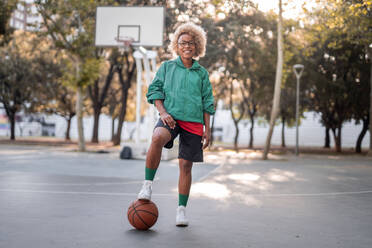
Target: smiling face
[(186, 46)]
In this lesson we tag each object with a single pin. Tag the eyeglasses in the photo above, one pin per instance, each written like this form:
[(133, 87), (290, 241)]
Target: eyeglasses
[(185, 43)]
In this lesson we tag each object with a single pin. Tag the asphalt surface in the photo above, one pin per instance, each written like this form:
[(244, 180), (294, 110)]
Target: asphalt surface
[(50, 197)]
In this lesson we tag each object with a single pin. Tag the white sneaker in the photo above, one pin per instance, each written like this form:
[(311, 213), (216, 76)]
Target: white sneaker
[(181, 219), (146, 191)]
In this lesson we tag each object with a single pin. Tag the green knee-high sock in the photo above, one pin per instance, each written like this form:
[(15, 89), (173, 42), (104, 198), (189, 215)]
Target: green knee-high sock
[(182, 199), (150, 174)]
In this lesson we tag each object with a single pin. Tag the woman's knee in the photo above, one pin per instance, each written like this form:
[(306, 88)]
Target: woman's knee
[(185, 166), (160, 138)]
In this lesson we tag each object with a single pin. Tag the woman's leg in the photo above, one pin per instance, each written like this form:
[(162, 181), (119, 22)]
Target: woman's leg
[(160, 137), (184, 185), (184, 182)]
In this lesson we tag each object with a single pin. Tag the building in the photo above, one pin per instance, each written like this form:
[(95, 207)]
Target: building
[(25, 16)]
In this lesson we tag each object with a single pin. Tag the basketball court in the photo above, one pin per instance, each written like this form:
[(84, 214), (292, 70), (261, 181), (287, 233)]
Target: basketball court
[(57, 198), (52, 197)]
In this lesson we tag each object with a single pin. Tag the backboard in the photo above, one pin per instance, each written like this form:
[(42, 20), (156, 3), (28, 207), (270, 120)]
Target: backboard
[(143, 25)]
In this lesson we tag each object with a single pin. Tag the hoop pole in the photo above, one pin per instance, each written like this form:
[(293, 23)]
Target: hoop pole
[(139, 97), (154, 110), (146, 64)]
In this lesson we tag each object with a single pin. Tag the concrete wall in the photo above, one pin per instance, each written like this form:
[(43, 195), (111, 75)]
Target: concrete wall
[(311, 131)]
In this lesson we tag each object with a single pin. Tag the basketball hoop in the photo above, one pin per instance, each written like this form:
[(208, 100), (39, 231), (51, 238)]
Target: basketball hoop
[(124, 43)]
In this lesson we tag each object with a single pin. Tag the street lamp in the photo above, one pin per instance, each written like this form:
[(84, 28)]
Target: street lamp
[(298, 69)]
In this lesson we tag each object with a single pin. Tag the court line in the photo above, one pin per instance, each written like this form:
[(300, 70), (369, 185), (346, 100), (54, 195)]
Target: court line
[(315, 194), (174, 194), (212, 171), (79, 192), (72, 184)]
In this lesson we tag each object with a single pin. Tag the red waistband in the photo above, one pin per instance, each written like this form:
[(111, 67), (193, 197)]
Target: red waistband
[(192, 127)]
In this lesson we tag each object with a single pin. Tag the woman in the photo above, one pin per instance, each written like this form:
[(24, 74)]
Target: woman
[(183, 95)]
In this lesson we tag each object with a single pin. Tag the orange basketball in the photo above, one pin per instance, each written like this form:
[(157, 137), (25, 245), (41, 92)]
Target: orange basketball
[(142, 214)]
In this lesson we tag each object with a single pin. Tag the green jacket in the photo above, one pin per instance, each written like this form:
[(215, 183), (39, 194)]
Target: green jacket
[(187, 92)]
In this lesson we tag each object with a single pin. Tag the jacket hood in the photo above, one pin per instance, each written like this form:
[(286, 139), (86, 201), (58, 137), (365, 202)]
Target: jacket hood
[(195, 64)]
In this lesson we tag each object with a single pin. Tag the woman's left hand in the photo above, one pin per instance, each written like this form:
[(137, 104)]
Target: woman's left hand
[(206, 138)]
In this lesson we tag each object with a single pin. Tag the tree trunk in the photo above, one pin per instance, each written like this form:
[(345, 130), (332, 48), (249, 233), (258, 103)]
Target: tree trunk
[(125, 85), (113, 129), (338, 145), (97, 113), (278, 82), (67, 137), (123, 112), (283, 134), (337, 137), (10, 112), (12, 126), (251, 133), (236, 120), (94, 96), (79, 118), (327, 142), (98, 99), (236, 148), (358, 147)]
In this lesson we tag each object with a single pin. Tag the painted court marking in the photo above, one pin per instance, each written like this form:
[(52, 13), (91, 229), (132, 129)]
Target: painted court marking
[(315, 194), (74, 184), (78, 192), (169, 195)]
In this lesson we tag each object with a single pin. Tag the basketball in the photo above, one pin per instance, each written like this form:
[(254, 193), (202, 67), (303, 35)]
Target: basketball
[(142, 214)]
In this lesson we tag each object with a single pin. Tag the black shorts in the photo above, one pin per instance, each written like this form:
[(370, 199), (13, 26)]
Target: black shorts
[(190, 147)]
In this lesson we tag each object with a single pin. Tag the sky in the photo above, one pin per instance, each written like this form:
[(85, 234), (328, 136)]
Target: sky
[(293, 10)]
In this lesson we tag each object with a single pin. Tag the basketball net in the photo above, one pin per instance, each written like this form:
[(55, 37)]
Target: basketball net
[(124, 43)]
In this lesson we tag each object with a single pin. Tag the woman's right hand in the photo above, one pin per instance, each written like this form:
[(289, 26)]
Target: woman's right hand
[(167, 119)]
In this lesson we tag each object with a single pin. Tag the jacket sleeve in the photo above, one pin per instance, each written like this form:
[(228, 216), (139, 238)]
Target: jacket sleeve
[(155, 90), (207, 95)]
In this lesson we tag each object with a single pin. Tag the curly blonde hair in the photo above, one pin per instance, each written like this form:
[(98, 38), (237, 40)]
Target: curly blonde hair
[(198, 34)]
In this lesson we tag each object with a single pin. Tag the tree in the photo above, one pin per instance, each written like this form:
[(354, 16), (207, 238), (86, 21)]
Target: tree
[(359, 94), (112, 106), (240, 48), (125, 71), (331, 87), (17, 80), (50, 95), (97, 93), (70, 26), (354, 21), (287, 108), (15, 85), (258, 86), (278, 80), (237, 110), (337, 54), (57, 99)]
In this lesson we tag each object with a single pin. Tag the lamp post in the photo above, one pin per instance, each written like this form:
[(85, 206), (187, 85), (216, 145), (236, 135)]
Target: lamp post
[(298, 69)]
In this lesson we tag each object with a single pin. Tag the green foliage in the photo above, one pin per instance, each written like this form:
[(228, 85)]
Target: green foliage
[(338, 63), (351, 18), (70, 25), (240, 48), (16, 79), (90, 71)]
